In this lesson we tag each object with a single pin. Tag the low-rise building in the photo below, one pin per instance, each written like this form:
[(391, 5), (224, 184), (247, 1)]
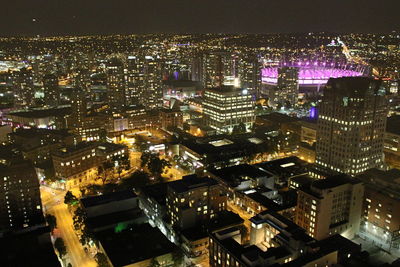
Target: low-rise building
[(171, 118), (222, 151), (381, 209), (392, 141), (137, 245), (330, 206), (113, 210), (193, 200), (77, 165), (38, 144)]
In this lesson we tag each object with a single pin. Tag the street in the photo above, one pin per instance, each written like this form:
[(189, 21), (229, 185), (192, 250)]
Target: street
[(54, 204)]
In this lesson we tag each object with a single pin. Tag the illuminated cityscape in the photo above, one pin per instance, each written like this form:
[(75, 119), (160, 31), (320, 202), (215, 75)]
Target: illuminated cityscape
[(165, 134)]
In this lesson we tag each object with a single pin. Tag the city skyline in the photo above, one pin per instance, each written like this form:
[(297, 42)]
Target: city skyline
[(200, 133)]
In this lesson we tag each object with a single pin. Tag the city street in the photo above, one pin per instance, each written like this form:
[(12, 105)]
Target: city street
[(53, 203)]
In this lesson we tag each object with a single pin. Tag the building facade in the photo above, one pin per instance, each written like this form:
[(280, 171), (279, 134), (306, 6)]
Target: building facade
[(227, 107), (330, 206), (20, 203), (193, 200), (351, 125)]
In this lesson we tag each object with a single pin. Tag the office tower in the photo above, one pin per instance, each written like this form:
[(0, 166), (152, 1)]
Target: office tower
[(51, 90), (194, 200), (330, 206), (116, 84), (227, 107), (23, 87), (351, 125), (135, 80), (20, 203)]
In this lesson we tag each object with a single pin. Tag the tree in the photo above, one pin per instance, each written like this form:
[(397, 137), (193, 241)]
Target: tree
[(154, 263), (104, 170), (178, 257), (102, 260), (49, 174), (79, 217), (145, 158), (70, 199), (86, 236), (141, 144), (52, 221), (138, 179), (239, 129), (156, 166), (60, 247)]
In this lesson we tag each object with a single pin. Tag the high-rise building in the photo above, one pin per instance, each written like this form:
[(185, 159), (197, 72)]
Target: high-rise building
[(88, 127), (78, 109), (226, 107), (23, 87), (135, 80), (248, 71), (193, 200), (286, 92), (116, 85), (152, 96), (211, 68), (51, 90), (351, 125), (330, 206), (20, 203)]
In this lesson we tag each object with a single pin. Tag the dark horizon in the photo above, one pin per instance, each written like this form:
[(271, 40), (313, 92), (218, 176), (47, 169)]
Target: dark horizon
[(89, 17)]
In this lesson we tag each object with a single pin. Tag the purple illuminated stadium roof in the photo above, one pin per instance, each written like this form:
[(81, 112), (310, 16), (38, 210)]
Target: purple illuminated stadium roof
[(313, 73)]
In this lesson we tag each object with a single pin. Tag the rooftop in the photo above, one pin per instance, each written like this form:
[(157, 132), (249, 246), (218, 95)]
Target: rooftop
[(333, 181), (355, 86), (107, 198), (156, 191), (278, 118), (43, 113), (230, 174), (289, 166), (190, 182), (393, 124), (65, 151), (34, 132), (137, 243)]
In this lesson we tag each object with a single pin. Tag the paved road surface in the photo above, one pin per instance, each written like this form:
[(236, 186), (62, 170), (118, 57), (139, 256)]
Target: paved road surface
[(54, 204)]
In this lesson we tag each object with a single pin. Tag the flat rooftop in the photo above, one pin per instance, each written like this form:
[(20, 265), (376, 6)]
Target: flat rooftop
[(288, 166), (134, 244), (190, 182), (43, 113), (393, 124), (333, 181), (107, 198), (231, 174)]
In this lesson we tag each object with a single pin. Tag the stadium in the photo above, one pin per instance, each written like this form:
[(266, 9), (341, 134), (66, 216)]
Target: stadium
[(313, 74)]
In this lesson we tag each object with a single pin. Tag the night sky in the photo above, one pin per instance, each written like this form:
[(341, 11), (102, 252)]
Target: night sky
[(70, 17)]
